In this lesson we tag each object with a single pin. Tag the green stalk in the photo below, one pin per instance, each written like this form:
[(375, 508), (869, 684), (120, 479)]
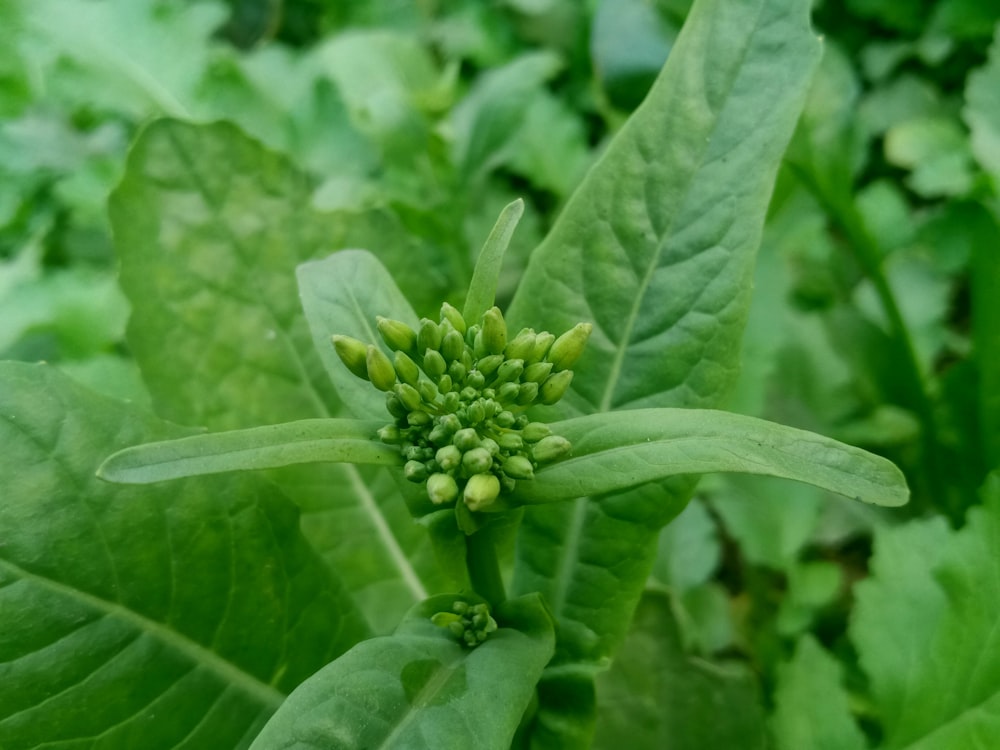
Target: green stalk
[(484, 568)]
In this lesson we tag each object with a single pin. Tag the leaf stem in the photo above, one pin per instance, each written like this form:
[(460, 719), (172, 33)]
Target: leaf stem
[(484, 568)]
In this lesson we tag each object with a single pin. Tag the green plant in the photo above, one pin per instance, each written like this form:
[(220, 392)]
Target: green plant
[(184, 613)]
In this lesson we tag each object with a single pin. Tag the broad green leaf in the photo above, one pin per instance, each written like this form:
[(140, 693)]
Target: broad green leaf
[(210, 227), (656, 248), (985, 280), (419, 688), (267, 447), (483, 287), (982, 111), (656, 696), (619, 450), (170, 617), (689, 550), (812, 711), (936, 151), (924, 627), (343, 294)]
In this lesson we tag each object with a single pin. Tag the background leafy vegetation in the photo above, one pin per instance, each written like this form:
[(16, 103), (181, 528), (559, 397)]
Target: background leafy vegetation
[(404, 128)]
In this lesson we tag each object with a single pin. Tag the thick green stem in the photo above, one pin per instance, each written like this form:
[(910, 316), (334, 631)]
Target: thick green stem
[(484, 569)]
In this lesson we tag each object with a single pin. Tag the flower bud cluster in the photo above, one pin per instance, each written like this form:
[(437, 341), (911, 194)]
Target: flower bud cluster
[(471, 624), (457, 394)]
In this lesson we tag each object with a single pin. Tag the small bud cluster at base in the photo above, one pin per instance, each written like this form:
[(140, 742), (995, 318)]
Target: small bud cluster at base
[(458, 393), (470, 624)]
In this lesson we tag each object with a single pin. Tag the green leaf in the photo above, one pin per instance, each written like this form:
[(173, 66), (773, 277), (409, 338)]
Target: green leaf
[(210, 228), (343, 294), (985, 281), (982, 111), (656, 248), (689, 549), (170, 617), (418, 688), (483, 287), (619, 450), (656, 696), (924, 627), (268, 447), (812, 711)]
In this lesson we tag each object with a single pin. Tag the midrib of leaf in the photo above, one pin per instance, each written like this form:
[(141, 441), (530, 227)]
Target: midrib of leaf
[(616, 365), (212, 202), (228, 673), (420, 700), (569, 554), (385, 534)]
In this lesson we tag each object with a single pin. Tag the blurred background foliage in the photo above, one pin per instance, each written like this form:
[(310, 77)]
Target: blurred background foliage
[(876, 316)]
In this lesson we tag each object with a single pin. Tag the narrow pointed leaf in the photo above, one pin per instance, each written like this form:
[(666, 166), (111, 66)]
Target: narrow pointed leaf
[(160, 617), (268, 447), (419, 688), (620, 450), (483, 287)]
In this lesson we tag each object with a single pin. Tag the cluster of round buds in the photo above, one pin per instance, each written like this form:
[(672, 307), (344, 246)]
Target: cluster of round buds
[(471, 624), (458, 393)]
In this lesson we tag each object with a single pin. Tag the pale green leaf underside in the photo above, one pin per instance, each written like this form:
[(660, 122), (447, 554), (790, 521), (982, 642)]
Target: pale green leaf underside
[(620, 450), (268, 447), (418, 688)]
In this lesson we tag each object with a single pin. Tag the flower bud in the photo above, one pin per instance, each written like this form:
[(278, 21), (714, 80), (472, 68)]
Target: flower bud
[(452, 346), (444, 383), (406, 368), (469, 394), (477, 461), (509, 371), (491, 446), (397, 335), (452, 315), (451, 400), (518, 467), (415, 471), (441, 488), (527, 393), (535, 431), (448, 457), (439, 435), (466, 439), (390, 435), (380, 369), (434, 364), (488, 365), (353, 353), (567, 348), (457, 372), (481, 491), (543, 342), (550, 448), (408, 396), (555, 387), (418, 418), (451, 423), (508, 393), (494, 331), (475, 413), (470, 335), (395, 407), (428, 336), (428, 391), (504, 419), (476, 379), (521, 346), (510, 441), (536, 372)]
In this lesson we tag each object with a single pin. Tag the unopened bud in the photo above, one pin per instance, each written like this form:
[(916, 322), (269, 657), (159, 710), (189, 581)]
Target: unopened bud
[(494, 331), (395, 407), (481, 491), (418, 418), (452, 315), (504, 419), (535, 431), (415, 471), (406, 368), (527, 393), (380, 369), (445, 383), (521, 346), (353, 353), (510, 441), (451, 400), (551, 448), (434, 364), (475, 379), (466, 439), (518, 467), (543, 342), (477, 461), (457, 372), (441, 488), (567, 348), (536, 372), (429, 335), (448, 457), (439, 435), (491, 446), (509, 371), (408, 396), (470, 335), (488, 365), (428, 391), (452, 346), (508, 393), (475, 413), (390, 434), (555, 387), (397, 335)]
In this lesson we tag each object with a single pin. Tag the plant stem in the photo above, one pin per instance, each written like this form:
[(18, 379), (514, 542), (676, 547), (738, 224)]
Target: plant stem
[(484, 569)]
